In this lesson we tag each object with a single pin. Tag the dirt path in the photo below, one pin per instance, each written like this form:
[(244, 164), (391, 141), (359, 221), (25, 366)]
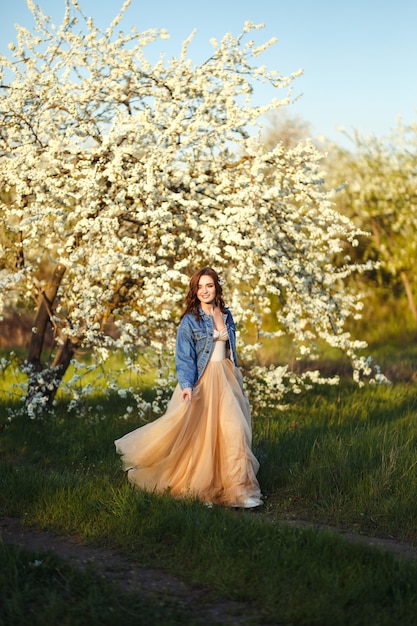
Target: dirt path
[(154, 583), (396, 548), (128, 575)]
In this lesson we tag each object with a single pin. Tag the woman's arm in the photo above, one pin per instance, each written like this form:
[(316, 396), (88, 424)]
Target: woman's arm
[(185, 358)]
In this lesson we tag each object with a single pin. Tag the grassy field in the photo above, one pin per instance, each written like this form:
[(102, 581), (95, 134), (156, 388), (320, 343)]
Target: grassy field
[(344, 457)]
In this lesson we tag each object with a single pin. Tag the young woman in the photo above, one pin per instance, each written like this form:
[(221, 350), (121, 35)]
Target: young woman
[(201, 446)]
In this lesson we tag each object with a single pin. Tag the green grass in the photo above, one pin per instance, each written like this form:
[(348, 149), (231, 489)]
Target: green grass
[(347, 457), (39, 589), (342, 456)]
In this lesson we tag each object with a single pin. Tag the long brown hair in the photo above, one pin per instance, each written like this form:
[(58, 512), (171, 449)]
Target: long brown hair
[(192, 303)]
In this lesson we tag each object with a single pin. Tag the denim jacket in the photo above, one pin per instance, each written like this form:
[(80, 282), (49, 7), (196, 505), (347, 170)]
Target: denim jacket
[(195, 344)]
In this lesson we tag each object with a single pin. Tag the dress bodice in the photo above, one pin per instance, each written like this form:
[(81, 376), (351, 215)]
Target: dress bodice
[(219, 352)]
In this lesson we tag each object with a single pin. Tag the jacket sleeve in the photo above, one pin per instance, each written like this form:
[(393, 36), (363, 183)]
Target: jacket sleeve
[(232, 340), (185, 358)]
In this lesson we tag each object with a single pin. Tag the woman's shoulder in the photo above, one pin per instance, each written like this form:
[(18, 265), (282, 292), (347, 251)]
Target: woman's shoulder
[(189, 320), (227, 311)]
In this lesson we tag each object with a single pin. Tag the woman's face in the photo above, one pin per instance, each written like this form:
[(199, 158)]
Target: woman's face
[(206, 289)]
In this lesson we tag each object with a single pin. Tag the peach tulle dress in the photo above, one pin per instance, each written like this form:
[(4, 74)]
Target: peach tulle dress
[(200, 448)]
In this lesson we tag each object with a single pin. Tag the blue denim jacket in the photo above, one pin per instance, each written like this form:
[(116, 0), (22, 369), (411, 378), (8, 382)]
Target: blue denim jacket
[(195, 345)]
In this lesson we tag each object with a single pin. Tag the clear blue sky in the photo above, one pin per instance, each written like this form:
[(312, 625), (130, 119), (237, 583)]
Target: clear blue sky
[(359, 57)]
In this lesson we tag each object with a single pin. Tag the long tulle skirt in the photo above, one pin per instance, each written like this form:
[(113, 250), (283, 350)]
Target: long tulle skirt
[(200, 448)]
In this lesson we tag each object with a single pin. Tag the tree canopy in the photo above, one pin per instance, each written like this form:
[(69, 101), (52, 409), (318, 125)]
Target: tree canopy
[(122, 176), (380, 195)]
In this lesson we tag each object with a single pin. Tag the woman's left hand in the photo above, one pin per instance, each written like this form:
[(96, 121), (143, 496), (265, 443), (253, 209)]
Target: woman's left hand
[(187, 395)]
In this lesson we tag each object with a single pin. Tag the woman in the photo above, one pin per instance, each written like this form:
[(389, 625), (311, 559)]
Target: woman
[(201, 447)]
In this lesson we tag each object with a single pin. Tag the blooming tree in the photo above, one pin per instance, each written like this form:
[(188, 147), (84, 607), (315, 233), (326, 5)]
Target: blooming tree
[(380, 196), (123, 176)]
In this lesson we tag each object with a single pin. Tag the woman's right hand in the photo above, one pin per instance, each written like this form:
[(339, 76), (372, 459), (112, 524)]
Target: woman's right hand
[(187, 395)]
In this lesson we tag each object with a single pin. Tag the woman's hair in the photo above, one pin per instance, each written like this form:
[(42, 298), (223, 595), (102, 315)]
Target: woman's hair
[(192, 303)]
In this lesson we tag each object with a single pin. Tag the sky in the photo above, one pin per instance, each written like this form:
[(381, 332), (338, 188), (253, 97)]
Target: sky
[(359, 58)]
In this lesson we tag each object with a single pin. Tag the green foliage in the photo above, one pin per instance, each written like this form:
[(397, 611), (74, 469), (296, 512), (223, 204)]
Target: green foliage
[(380, 196)]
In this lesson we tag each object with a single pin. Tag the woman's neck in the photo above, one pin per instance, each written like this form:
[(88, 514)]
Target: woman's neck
[(208, 309)]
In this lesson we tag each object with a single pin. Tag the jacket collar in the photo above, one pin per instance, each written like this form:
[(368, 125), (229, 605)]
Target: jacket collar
[(201, 312)]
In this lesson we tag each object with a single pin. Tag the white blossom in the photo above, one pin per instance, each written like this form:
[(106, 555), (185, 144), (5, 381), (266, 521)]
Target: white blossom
[(132, 174)]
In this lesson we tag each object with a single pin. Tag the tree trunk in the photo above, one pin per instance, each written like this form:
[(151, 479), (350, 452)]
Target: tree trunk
[(44, 379), (409, 293), (43, 316)]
